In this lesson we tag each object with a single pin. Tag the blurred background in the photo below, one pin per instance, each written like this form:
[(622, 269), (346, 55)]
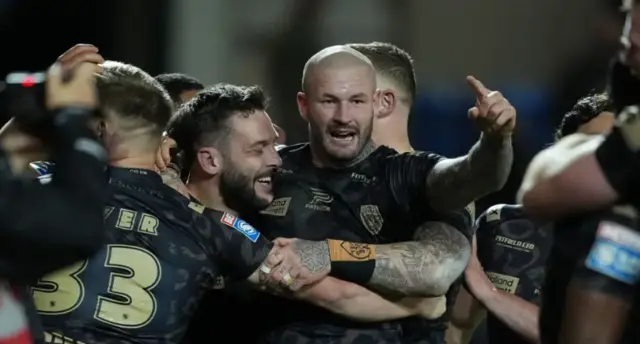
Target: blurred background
[(543, 54)]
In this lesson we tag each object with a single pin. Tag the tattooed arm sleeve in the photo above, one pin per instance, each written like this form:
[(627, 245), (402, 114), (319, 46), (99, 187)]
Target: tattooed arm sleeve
[(454, 183), (426, 266)]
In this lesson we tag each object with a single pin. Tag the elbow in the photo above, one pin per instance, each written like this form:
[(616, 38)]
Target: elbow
[(448, 270)]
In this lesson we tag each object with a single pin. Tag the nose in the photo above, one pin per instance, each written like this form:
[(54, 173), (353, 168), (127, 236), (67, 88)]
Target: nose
[(343, 113), (273, 159)]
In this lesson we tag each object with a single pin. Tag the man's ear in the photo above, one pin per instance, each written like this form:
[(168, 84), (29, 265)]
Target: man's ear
[(387, 102), (303, 105), (210, 160)]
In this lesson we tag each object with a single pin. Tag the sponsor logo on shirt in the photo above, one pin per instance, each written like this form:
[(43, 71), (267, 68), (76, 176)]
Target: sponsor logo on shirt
[(357, 177), (505, 283), (278, 207), (241, 226), (514, 244), (371, 218), (321, 200), (616, 253)]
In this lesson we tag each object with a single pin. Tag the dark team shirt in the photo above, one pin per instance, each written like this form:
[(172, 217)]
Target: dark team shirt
[(593, 248), (512, 250), (163, 253), (379, 200)]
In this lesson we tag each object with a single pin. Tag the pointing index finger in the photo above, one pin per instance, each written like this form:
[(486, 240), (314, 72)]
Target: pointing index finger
[(478, 87)]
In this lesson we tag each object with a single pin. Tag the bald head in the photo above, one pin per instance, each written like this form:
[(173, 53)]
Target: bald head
[(335, 58)]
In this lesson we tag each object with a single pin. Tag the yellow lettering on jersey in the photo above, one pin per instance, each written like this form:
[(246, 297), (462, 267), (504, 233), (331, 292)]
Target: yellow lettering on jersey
[(125, 219), (148, 224), (278, 207), (133, 274), (128, 219), (505, 283), (57, 338)]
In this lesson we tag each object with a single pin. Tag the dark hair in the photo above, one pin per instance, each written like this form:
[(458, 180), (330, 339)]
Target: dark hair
[(177, 83), (203, 120), (391, 62), (583, 111), (135, 97)]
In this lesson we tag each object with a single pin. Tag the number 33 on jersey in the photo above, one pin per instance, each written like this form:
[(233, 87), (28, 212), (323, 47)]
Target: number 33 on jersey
[(125, 275)]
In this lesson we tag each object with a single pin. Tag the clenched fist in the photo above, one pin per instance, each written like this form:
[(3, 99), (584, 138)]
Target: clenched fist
[(493, 112)]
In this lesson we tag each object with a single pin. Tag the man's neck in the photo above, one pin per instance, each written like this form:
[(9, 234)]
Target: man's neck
[(205, 192), (393, 134), (141, 161)]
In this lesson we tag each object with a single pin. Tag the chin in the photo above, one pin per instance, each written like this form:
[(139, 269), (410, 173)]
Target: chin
[(263, 201)]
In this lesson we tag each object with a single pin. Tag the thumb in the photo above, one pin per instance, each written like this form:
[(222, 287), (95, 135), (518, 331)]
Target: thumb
[(473, 113), (282, 242), (54, 77)]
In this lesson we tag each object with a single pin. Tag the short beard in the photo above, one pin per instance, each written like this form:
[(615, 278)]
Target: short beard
[(366, 148), (238, 192)]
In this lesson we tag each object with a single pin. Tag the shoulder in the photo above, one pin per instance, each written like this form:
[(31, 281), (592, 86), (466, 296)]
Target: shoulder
[(291, 150), (293, 156), (213, 218), (500, 213), (411, 160)]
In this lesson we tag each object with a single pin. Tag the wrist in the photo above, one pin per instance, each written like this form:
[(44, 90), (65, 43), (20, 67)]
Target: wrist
[(495, 139), (352, 262)]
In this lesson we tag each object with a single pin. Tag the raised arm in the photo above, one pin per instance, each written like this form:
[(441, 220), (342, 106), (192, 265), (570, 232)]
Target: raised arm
[(454, 183)]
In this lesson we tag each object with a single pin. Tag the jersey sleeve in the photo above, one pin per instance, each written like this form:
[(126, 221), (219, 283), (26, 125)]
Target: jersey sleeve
[(238, 248), (612, 264), (406, 175)]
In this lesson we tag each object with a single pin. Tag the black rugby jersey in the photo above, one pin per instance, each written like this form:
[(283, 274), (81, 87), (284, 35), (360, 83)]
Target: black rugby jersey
[(512, 250), (163, 253), (589, 248), (379, 200)]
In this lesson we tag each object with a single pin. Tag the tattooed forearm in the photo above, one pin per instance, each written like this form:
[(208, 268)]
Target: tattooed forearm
[(425, 267), (314, 255), (454, 183)]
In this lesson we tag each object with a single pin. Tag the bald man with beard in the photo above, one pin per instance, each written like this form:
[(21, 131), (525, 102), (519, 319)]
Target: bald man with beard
[(370, 200)]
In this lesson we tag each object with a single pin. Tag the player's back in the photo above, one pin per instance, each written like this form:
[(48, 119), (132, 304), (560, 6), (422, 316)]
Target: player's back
[(143, 286), (512, 250)]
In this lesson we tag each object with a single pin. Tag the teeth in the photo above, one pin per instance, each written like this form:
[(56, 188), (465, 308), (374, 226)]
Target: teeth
[(265, 180)]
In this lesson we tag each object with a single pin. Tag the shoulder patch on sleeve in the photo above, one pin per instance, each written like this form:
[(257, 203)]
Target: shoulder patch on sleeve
[(494, 213), (241, 226), (45, 179), (616, 253), (41, 167)]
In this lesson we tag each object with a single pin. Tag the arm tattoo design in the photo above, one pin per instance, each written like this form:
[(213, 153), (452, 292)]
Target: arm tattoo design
[(314, 255), (454, 183), (425, 267)]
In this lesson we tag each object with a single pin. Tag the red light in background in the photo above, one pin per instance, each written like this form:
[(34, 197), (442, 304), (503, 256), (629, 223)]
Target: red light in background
[(28, 81)]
